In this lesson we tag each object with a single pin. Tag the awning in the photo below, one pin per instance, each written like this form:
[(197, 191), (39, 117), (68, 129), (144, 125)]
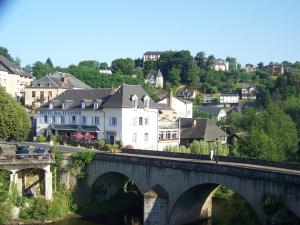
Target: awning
[(74, 128)]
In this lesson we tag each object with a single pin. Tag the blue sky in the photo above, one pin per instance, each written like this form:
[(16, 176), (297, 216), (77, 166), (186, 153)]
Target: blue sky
[(69, 31)]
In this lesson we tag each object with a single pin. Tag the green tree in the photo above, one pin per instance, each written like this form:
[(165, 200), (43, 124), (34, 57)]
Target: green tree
[(40, 69), (193, 75), (209, 62), (150, 65), (89, 63), (232, 63), (103, 66), (18, 61), (174, 76), (201, 60), (49, 62), (4, 52), (14, 121), (123, 66)]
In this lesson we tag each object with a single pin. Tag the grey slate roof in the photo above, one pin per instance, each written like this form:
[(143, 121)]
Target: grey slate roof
[(11, 67), (210, 110), (203, 129), (152, 53), (73, 97), (121, 98), (107, 98), (59, 80)]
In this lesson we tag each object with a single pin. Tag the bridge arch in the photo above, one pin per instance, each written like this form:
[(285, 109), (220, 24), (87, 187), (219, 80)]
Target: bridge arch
[(196, 203), (110, 184)]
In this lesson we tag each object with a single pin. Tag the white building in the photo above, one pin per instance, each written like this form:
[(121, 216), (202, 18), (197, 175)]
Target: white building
[(156, 80), (50, 86), (248, 92), (12, 78), (105, 71), (228, 99), (150, 55), (182, 107), (186, 93), (214, 112), (221, 65), (249, 68), (127, 114)]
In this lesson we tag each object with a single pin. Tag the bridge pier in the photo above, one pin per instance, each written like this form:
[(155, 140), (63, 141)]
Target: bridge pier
[(48, 183), (155, 207)]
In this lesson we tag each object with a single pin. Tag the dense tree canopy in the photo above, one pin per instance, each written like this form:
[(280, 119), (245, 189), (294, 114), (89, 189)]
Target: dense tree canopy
[(14, 121), (4, 52), (123, 66)]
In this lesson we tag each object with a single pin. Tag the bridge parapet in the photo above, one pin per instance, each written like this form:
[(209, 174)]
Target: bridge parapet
[(27, 159), (229, 159)]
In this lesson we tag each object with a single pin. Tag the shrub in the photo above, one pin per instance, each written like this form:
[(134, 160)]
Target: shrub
[(41, 138), (108, 147), (79, 160)]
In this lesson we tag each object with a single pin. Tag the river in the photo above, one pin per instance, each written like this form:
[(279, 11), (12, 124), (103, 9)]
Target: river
[(234, 211)]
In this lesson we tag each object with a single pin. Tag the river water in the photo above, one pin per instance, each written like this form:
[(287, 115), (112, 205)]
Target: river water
[(225, 212)]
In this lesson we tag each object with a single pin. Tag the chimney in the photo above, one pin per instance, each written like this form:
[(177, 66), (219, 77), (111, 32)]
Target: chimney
[(194, 123), (65, 80)]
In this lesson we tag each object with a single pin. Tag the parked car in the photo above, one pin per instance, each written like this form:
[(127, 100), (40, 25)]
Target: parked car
[(22, 150), (39, 150)]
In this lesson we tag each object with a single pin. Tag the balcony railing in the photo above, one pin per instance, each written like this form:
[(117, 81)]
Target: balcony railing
[(27, 158)]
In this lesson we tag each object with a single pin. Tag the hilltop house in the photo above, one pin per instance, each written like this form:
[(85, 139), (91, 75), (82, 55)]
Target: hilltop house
[(221, 65), (50, 86), (126, 114), (217, 113), (156, 80), (150, 55), (200, 129), (275, 69), (249, 68), (183, 108), (12, 78)]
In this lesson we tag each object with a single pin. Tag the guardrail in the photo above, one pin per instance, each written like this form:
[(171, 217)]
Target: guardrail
[(26, 158), (228, 159)]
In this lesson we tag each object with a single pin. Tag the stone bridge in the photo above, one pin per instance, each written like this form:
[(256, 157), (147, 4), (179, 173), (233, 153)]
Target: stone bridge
[(29, 171), (178, 188)]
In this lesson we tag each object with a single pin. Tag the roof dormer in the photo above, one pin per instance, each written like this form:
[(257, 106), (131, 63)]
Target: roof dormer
[(51, 105), (134, 101), (64, 105), (146, 101), (82, 105), (97, 103)]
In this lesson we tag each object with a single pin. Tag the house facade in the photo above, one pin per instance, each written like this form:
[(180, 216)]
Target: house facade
[(50, 86), (181, 107), (12, 78), (248, 92), (126, 114), (151, 55), (249, 68), (229, 99), (221, 65), (157, 80), (275, 69)]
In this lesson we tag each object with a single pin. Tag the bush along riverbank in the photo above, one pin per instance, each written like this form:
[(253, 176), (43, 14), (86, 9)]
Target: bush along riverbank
[(16, 208)]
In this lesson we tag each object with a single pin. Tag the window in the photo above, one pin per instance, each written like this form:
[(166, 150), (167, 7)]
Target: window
[(62, 119), (96, 120), (161, 135), (96, 105), (134, 121), (33, 94), (50, 105), (113, 121), (83, 105), (64, 105), (53, 119), (134, 100), (42, 95), (146, 137), (146, 101), (73, 119), (45, 119), (134, 137), (146, 121), (168, 135), (141, 121), (83, 120), (174, 135)]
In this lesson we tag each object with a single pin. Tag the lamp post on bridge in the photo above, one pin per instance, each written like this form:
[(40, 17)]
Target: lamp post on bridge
[(217, 150)]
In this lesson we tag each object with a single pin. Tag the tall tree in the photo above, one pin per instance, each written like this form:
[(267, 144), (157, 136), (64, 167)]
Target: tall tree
[(201, 59), (149, 65), (123, 66), (4, 52), (232, 63), (40, 69), (193, 75), (14, 121), (210, 62), (174, 76), (49, 62), (89, 63), (103, 66), (18, 61)]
